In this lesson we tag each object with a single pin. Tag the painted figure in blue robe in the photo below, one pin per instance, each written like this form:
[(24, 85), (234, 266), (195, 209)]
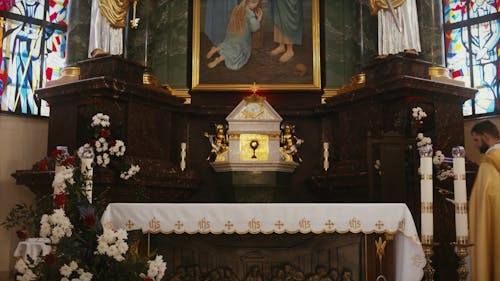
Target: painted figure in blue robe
[(236, 48), (288, 19), (217, 17)]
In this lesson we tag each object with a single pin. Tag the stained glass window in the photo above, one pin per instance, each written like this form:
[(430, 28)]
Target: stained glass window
[(472, 42), (33, 44)]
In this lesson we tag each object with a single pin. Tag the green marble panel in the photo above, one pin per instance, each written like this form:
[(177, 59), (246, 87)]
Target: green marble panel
[(78, 31), (431, 32)]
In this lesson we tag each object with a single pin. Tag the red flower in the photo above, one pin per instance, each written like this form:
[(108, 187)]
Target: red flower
[(50, 259), (104, 133), (138, 182), (60, 199), (92, 143), (89, 220), (56, 153), (42, 165), (70, 160), (418, 123), (112, 143), (21, 235)]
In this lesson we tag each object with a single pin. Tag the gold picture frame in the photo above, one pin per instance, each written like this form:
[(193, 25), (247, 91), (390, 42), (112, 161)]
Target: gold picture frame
[(262, 71)]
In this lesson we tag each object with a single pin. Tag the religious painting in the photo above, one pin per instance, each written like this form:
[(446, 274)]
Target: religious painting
[(243, 44)]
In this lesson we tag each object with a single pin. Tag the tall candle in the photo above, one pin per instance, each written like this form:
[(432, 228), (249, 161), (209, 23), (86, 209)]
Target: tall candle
[(86, 155), (460, 190), (427, 223), (326, 155), (183, 156)]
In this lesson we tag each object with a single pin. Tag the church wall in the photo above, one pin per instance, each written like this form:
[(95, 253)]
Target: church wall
[(23, 142), (471, 151)]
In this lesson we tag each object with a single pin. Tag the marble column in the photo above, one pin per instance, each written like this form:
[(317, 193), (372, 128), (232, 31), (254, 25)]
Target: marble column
[(430, 18), (78, 31)]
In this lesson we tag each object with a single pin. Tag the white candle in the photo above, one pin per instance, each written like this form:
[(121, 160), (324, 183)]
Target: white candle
[(426, 189), (183, 156), (86, 155), (460, 190), (326, 154)]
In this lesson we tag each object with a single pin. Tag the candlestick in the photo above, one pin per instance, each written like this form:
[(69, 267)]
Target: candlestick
[(183, 156), (460, 190), (86, 155), (426, 189), (326, 155)]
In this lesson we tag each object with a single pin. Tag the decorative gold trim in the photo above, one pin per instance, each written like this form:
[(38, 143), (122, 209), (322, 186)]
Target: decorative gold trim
[(150, 79), (462, 240), (179, 92), (426, 207), (328, 93), (237, 136), (358, 81), (316, 59), (426, 177), (428, 239), (71, 71), (461, 208), (438, 71), (459, 177)]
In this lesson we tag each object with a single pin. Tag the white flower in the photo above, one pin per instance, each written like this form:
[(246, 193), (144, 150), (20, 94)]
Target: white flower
[(21, 266), (121, 234), (156, 269), (65, 270), (86, 276), (64, 279), (420, 136)]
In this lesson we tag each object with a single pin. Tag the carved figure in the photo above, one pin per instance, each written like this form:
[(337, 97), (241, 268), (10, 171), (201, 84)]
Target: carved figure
[(289, 144), (218, 142)]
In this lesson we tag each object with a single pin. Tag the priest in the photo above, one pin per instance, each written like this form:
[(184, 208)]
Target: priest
[(485, 205)]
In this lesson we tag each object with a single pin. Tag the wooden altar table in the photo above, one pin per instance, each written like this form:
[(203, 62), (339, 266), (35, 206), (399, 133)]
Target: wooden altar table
[(283, 218)]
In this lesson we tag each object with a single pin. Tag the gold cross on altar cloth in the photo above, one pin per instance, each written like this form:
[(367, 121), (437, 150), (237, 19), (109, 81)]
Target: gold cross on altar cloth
[(229, 225), (279, 224), (179, 225), (379, 224), (129, 224), (329, 224)]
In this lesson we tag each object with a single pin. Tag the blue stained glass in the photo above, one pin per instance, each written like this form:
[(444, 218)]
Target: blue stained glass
[(29, 8), (454, 10), (55, 55), (21, 48), (457, 55), (479, 8), (58, 11)]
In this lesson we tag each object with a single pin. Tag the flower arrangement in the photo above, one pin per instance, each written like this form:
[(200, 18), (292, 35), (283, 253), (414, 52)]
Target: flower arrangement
[(443, 170), (81, 248)]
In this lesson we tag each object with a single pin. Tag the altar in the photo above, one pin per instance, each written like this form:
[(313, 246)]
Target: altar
[(290, 221)]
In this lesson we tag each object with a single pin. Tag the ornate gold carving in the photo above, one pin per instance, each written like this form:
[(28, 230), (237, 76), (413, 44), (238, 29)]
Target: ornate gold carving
[(328, 93), (426, 207), (219, 143), (462, 240), (461, 177), (380, 246), (427, 239), (114, 11), (261, 152), (461, 208), (154, 224)]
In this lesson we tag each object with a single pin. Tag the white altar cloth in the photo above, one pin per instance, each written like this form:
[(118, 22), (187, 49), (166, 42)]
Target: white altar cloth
[(278, 218)]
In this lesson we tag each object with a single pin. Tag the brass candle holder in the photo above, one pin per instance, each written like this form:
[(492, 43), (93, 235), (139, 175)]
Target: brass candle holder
[(462, 251)]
